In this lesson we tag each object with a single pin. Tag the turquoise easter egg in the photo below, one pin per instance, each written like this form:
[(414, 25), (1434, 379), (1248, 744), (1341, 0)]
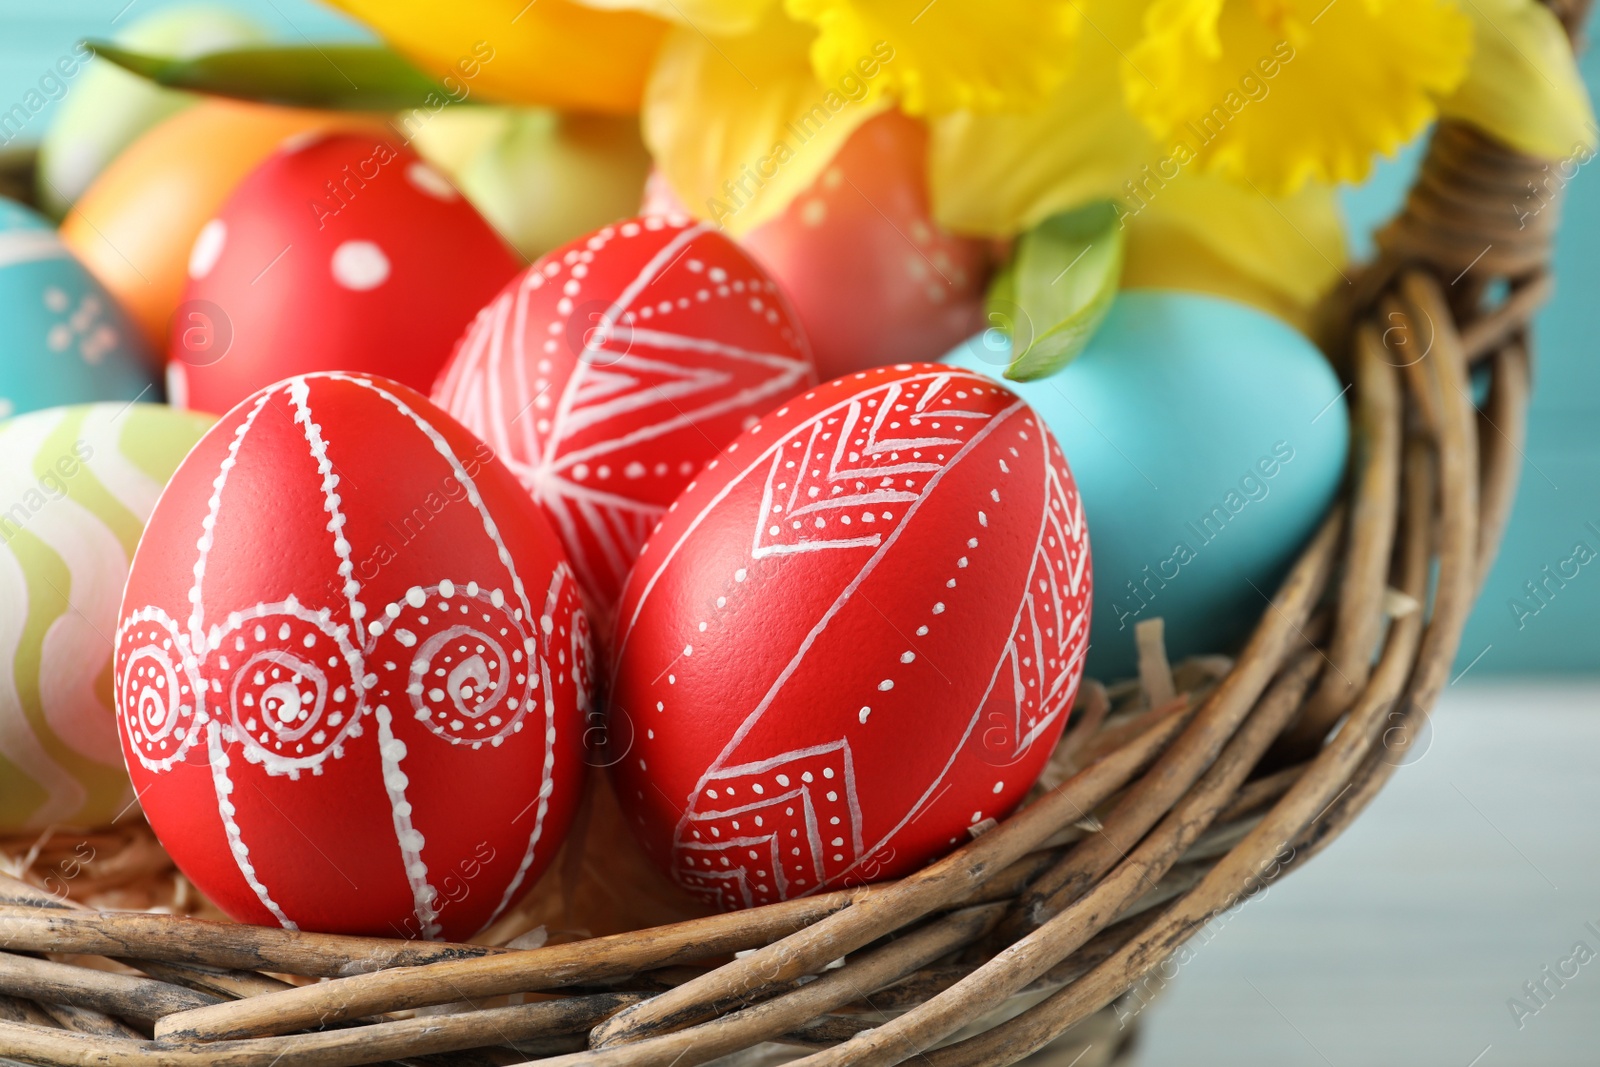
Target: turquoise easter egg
[(76, 486), (65, 340), (1208, 440), (106, 108)]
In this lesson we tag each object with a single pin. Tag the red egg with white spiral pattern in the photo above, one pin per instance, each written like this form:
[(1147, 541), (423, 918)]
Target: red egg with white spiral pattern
[(351, 670)]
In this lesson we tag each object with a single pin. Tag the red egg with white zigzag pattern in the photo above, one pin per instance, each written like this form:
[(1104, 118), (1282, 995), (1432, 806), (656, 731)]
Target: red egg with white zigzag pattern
[(853, 639), (351, 670), (612, 369)]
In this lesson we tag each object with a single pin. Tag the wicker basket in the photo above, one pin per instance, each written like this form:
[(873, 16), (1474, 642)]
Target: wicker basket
[(1172, 798)]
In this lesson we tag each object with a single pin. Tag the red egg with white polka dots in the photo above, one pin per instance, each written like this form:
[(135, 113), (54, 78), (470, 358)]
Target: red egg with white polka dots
[(612, 369), (340, 252), (853, 640), (352, 673)]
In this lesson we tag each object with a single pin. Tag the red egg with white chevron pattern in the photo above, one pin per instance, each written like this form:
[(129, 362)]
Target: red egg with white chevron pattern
[(351, 669), (854, 638), (612, 369)]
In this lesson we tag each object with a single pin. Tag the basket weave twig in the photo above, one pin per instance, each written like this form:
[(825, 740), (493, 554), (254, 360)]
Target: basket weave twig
[(1199, 788)]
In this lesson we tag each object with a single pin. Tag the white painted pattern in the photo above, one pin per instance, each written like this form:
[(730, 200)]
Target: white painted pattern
[(470, 680), (293, 682), (392, 752), (431, 182), (628, 387), (223, 785), (207, 248), (596, 340), (359, 265), (467, 483), (761, 832), (197, 609), (1054, 500), (760, 462), (582, 653), (162, 719), (547, 782), (482, 699), (330, 496), (878, 456), (1047, 647), (546, 788), (277, 723)]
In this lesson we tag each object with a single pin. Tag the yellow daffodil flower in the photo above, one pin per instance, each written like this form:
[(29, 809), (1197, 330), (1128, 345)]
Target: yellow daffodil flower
[(1213, 235), (1281, 92), (1186, 228), (950, 55), (740, 125), (1220, 126)]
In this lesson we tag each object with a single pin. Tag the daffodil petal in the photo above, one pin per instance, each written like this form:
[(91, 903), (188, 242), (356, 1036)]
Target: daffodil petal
[(1165, 257), (1282, 92), (1186, 228), (739, 125), (1282, 255), (1523, 86), (716, 17), (998, 175), (553, 52), (947, 55)]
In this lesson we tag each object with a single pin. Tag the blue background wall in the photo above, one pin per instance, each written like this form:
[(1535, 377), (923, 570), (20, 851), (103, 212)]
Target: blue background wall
[(1561, 480)]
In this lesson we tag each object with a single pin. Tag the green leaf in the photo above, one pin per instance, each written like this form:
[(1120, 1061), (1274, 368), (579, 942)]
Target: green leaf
[(1057, 288), (355, 77)]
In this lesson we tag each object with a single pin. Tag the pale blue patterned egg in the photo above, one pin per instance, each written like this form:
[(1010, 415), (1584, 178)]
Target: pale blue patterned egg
[(65, 340)]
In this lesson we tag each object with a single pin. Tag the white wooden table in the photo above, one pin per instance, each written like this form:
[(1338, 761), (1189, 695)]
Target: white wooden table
[(1402, 943)]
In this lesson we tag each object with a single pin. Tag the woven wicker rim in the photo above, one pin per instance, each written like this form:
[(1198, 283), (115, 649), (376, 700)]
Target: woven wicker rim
[(1199, 800)]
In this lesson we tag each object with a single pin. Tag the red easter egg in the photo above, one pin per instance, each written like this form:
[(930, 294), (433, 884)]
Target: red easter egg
[(340, 252), (351, 669), (855, 636), (612, 369), (873, 277)]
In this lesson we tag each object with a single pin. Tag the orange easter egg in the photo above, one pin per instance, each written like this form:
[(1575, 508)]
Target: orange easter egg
[(135, 225)]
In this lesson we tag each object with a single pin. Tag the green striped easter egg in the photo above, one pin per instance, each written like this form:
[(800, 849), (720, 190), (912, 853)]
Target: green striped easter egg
[(76, 486)]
